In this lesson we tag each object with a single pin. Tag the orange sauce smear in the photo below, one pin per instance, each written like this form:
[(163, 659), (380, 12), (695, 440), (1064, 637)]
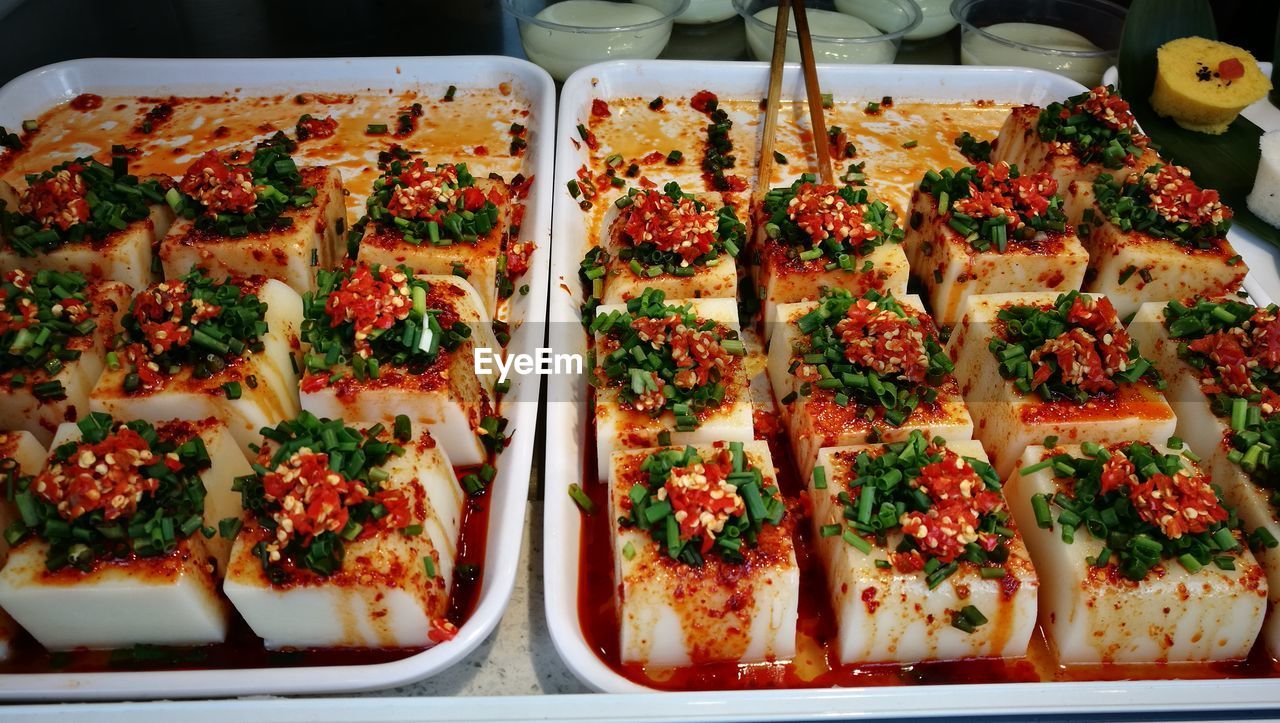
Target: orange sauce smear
[(634, 131), (446, 132)]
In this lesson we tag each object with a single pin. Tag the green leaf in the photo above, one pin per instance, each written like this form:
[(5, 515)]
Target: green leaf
[(1227, 163)]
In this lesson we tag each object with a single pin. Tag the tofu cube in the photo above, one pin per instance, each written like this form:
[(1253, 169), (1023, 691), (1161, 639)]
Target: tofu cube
[(382, 595), (715, 278), (270, 399), (620, 426), (674, 614), (124, 256), (22, 455), (383, 244), (164, 600), (1006, 421), (1098, 615), (1209, 435), (817, 420), (452, 396), (1019, 144), (315, 239), (1131, 267), (951, 270), (886, 615), (19, 405)]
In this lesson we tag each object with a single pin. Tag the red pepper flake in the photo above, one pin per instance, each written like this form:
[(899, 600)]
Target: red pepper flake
[(702, 499), (104, 476), (60, 201), (702, 100), (1231, 69), (221, 188), (653, 157), (599, 109), (160, 313), (518, 256), (309, 128), (880, 340), (371, 301), (25, 315), (1179, 200), (677, 226), (481, 151), (696, 353), (424, 193), (960, 498), (1091, 352), (1109, 109), (86, 102), (1182, 504), (823, 213), (442, 631), (1236, 353), (996, 194)]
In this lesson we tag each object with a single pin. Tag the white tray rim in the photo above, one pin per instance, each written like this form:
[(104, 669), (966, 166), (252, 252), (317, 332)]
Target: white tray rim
[(37, 90), (562, 519)]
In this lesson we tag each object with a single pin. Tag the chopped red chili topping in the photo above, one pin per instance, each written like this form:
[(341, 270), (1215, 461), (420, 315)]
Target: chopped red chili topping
[(1179, 200), (960, 498), (60, 201), (371, 301), (599, 109), (219, 187), (159, 312), (996, 194), (696, 353), (883, 341), (1090, 353), (702, 499), (1235, 353), (425, 192), (316, 128), (1178, 505), (702, 100), (1108, 108), (23, 316), (672, 225), (104, 476), (821, 212), (1117, 472)]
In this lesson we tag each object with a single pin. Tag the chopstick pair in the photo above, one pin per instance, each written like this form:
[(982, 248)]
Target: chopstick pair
[(812, 89)]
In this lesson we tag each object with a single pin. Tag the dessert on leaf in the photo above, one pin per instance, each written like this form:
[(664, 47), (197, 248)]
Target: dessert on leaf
[(669, 372), (384, 342), (677, 242), (1042, 365), (1140, 561), (438, 221), (256, 214), (989, 229), (55, 329), (1204, 84), (704, 562), (117, 542), (1157, 236), (21, 458), (205, 346), (86, 217), (349, 537), (1075, 141), (811, 237), (1222, 357), (923, 561), (854, 369)]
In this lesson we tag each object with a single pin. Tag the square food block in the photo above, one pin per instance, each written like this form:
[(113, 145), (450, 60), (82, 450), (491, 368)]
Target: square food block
[(1211, 436), (1020, 143), (690, 252), (1099, 615), (452, 396), (170, 599), (673, 613), (267, 380), (1006, 420), (21, 455), (818, 419), (384, 592), (479, 261), (886, 611), (809, 238), (620, 425), (1132, 267), (124, 256), (39, 413), (316, 239), (952, 269)]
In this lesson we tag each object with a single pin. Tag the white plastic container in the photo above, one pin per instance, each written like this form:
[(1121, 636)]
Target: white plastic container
[(568, 409), (29, 95)]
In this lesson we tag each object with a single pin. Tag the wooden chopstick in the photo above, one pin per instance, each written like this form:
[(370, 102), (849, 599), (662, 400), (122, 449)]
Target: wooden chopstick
[(764, 175), (816, 121)]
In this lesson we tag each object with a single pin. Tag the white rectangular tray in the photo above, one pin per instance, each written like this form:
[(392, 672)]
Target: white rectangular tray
[(29, 95), (567, 396)]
